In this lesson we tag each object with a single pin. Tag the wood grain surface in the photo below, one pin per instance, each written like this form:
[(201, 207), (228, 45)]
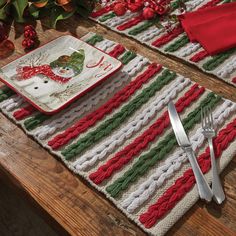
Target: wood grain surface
[(75, 205)]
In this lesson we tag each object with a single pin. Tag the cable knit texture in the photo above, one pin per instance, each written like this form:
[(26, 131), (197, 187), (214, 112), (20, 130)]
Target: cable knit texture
[(119, 137), (170, 42)]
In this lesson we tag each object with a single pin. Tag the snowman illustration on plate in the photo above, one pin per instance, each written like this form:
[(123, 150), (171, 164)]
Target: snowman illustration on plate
[(42, 81)]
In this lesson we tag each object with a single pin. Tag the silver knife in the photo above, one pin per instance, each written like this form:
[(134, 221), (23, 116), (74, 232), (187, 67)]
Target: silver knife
[(183, 141)]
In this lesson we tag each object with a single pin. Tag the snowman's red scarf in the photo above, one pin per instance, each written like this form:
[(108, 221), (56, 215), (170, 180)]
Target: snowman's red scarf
[(27, 72)]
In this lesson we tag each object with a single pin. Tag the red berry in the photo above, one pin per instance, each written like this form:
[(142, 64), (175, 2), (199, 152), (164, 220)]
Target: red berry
[(29, 27), (160, 10), (148, 13), (30, 34), (28, 43), (120, 9)]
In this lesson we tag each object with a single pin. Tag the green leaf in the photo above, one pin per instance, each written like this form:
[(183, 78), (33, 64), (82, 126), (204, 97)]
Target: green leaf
[(4, 12), (34, 11), (19, 6), (57, 14)]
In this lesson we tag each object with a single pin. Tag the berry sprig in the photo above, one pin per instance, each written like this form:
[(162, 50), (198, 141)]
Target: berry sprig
[(150, 8), (31, 38)]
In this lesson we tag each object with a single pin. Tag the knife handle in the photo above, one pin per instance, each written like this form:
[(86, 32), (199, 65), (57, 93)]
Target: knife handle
[(204, 189)]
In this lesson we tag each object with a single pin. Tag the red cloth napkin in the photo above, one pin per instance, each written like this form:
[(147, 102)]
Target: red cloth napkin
[(214, 28)]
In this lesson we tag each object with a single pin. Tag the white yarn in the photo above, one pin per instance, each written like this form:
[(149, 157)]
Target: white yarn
[(228, 68), (105, 45), (193, 4), (172, 164), (150, 33), (12, 103), (189, 49), (118, 138), (80, 108), (118, 20), (135, 65)]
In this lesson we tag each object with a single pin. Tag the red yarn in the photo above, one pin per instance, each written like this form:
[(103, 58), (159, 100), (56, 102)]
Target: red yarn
[(132, 22), (234, 80), (199, 56), (168, 36), (186, 182), (102, 11), (91, 119), (23, 112), (133, 149), (117, 51)]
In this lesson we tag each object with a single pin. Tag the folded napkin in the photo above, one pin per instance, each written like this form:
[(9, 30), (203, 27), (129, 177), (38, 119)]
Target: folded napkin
[(214, 28)]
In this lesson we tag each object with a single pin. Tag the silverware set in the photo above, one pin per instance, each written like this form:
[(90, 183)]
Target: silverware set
[(205, 192)]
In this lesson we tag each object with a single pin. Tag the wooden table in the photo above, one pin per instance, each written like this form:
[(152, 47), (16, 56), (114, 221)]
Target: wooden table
[(69, 201)]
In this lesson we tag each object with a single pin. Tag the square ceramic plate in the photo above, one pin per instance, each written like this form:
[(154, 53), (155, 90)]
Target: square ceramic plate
[(54, 75)]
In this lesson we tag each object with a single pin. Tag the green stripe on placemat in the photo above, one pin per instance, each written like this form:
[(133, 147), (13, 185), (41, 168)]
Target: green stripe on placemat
[(177, 44), (107, 17), (217, 60), (33, 122), (141, 28), (146, 161), (127, 57), (94, 39), (5, 93), (118, 118)]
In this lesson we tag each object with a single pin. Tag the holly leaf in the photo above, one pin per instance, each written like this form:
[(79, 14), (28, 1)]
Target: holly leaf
[(58, 14), (19, 6)]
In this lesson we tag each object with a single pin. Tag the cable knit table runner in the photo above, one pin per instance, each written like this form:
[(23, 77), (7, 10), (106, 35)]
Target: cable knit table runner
[(176, 42), (119, 137)]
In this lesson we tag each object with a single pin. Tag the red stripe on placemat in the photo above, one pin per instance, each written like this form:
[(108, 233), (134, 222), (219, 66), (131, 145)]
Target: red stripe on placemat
[(186, 182), (102, 11), (23, 112), (132, 22), (91, 119), (117, 51), (199, 56), (168, 36), (133, 149)]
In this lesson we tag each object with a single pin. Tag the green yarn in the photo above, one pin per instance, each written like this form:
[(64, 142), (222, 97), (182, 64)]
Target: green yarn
[(32, 122), (117, 119), (107, 17), (94, 39), (177, 44), (176, 4), (148, 160), (128, 56), (217, 60), (141, 28), (5, 93)]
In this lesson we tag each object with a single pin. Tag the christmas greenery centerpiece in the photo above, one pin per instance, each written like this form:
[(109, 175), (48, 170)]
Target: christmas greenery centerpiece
[(20, 10)]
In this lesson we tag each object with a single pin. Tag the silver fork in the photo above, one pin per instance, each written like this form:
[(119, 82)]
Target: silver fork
[(209, 133)]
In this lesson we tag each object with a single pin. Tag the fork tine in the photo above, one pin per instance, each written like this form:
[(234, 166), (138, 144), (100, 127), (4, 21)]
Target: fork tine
[(202, 118), (205, 115), (212, 121)]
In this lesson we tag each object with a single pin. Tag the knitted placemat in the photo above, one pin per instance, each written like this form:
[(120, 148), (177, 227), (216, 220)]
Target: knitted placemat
[(119, 137), (176, 42)]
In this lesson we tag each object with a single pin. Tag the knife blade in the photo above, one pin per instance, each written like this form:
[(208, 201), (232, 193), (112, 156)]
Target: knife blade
[(183, 141)]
